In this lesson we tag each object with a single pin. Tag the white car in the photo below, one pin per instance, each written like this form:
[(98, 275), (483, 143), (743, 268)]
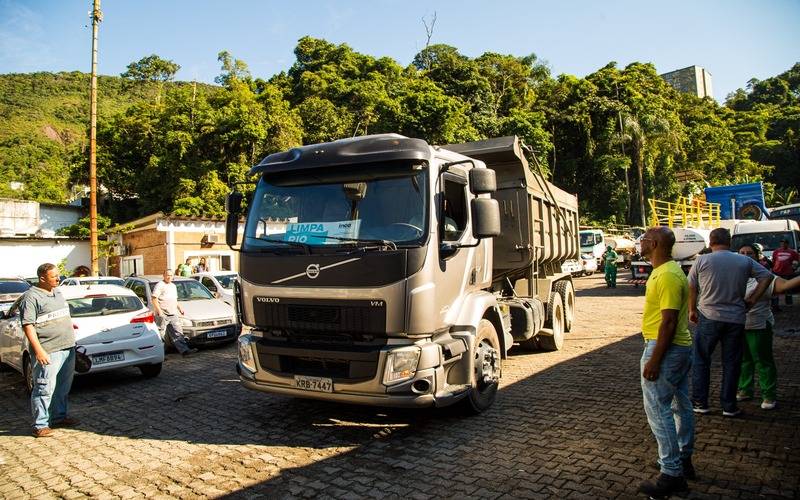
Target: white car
[(589, 263), (220, 283), (111, 322), (206, 319), (93, 280)]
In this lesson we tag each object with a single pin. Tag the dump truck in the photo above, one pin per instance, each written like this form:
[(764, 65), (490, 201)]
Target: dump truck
[(382, 270)]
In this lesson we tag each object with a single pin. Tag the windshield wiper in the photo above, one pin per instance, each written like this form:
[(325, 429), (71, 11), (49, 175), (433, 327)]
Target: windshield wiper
[(305, 246), (383, 243)]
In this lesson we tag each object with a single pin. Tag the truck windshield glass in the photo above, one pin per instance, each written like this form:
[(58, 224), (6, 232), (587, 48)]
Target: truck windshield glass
[(587, 239), (366, 207)]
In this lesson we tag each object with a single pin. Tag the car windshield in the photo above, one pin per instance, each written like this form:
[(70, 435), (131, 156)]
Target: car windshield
[(769, 241), (100, 281), (85, 307), (13, 286), (587, 239), (363, 206), (192, 290), (226, 280)]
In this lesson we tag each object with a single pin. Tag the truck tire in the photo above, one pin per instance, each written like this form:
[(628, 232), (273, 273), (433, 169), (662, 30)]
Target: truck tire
[(555, 321), (567, 292), (486, 370)]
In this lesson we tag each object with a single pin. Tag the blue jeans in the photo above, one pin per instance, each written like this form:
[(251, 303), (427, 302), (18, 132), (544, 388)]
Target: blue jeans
[(668, 407), (731, 335), (51, 385)]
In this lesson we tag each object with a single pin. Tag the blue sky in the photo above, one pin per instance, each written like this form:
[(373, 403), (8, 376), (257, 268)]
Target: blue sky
[(735, 39)]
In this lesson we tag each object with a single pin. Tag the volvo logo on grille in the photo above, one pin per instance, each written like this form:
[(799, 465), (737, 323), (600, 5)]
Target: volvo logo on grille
[(274, 300), (312, 271)]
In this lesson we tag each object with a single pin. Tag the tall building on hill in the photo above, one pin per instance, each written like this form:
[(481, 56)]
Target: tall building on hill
[(692, 80)]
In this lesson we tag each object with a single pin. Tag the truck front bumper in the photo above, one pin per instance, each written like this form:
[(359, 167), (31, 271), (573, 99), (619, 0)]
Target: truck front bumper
[(424, 388)]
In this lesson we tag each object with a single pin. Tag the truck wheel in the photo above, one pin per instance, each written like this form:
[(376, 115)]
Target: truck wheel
[(555, 321), (486, 370), (567, 292)]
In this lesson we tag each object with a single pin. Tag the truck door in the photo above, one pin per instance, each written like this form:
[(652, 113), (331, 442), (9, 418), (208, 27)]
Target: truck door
[(456, 271)]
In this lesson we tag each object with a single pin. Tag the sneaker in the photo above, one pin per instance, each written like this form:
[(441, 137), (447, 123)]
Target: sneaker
[(67, 422), (700, 408), (768, 404), (664, 486), (743, 396), (42, 433), (688, 468), (733, 413)]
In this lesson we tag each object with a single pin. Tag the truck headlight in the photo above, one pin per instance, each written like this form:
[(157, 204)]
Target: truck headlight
[(186, 321), (401, 364), (246, 358)]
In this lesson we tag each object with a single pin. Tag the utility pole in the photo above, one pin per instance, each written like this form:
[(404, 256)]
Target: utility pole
[(97, 17)]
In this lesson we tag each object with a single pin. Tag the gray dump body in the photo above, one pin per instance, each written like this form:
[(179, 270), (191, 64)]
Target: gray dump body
[(536, 237)]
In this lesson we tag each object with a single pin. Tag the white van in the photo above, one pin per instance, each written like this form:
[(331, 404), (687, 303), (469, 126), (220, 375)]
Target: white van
[(768, 233)]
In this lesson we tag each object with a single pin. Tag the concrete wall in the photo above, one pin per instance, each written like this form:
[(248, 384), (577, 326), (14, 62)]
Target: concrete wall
[(55, 217), (21, 257)]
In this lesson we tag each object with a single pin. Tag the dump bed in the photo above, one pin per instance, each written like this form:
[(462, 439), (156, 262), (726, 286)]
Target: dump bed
[(539, 220)]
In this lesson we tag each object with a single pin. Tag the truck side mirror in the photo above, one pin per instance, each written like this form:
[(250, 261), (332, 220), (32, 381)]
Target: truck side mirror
[(485, 218), (482, 181), (233, 205)]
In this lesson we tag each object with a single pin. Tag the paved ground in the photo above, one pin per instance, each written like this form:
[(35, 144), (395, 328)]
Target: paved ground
[(567, 424)]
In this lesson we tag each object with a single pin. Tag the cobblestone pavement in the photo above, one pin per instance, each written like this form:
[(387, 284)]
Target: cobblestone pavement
[(566, 424)]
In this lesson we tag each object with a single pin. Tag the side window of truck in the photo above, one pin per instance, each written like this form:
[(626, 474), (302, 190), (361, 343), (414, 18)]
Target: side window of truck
[(454, 208)]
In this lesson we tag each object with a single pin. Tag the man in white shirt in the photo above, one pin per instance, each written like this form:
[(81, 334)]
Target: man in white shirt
[(167, 309)]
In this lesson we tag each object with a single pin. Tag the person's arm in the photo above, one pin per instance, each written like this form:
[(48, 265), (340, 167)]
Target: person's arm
[(38, 351), (692, 303), (763, 277), (154, 296), (666, 332), (784, 285)]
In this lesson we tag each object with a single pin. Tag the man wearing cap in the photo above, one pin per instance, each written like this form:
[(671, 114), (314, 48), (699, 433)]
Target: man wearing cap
[(784, 263)]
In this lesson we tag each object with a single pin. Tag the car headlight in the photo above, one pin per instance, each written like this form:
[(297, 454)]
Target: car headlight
[(587, 256), (186, 321), (246, 358), (401, 364)]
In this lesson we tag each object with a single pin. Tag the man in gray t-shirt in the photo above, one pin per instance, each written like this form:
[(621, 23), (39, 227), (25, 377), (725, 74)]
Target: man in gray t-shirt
[(717, 287), (48, 327)]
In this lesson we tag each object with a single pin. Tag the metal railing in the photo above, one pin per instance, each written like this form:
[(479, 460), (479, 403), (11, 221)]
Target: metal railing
[(684, 213)]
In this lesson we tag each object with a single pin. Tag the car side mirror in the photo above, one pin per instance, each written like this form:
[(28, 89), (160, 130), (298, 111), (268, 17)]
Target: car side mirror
[(485, 218), (233, 205), (482, 181)]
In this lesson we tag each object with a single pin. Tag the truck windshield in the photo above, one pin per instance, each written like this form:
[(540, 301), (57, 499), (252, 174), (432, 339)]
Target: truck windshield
[(587, 239), (381, 204)]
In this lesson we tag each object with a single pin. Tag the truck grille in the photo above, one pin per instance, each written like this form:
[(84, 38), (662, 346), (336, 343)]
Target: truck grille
[(358, 316)]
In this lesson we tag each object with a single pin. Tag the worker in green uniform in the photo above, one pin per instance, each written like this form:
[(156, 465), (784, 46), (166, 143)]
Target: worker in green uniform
[(610, 259)]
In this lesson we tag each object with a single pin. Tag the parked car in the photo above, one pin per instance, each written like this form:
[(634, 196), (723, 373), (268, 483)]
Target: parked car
[(93, 280), (10, 290), (111, 322), (589, 263), (206, 319), (220, 283)]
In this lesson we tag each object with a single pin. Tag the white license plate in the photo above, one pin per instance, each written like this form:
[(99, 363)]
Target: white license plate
[(216, 334), (99, 359), (317, 384)]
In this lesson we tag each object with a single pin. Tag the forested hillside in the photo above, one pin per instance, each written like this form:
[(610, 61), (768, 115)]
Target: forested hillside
[(174, 146)]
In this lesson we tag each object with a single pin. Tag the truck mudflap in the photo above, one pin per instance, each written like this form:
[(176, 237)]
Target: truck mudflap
[(426, 386)]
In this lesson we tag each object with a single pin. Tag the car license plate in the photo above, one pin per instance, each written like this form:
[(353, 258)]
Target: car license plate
[(317, 384), (99, 359), (216, 334)]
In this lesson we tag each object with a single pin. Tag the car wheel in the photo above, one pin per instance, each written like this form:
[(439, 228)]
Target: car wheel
[(27, 372), (150, 371)]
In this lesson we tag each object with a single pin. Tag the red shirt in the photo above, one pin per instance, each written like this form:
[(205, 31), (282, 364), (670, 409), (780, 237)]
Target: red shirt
[(782, 261)]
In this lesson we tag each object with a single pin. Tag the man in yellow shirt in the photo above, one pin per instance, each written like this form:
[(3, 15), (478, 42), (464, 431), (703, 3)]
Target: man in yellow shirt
[(665, 365)]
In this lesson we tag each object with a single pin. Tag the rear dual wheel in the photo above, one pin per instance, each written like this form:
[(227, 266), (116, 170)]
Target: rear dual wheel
[(555, 322)]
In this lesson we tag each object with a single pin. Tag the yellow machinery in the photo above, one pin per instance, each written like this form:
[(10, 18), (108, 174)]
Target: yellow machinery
[(684, 213)]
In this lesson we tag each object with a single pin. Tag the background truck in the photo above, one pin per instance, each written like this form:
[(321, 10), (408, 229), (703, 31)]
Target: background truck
[(368, 272)]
